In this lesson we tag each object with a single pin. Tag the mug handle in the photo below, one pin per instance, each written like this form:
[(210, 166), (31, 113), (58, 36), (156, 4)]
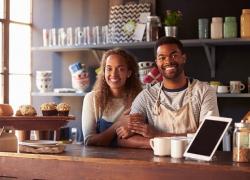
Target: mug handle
[(151, 142), (242, 86)]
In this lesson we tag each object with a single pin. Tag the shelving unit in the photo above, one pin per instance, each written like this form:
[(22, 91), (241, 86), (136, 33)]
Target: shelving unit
[(208, 45), (54, 94)]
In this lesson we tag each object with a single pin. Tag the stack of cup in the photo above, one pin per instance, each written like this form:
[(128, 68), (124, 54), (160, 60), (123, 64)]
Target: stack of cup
[(144, 68), (44, 81), (79, 76)]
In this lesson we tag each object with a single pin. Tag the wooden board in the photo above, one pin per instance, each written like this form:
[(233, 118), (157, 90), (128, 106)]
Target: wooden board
[(35, 122)]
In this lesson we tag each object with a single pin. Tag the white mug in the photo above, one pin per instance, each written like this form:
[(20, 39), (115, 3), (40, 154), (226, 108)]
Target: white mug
[(236, 86), (178, 146), (160, 145), (223, 89), (44, 81)]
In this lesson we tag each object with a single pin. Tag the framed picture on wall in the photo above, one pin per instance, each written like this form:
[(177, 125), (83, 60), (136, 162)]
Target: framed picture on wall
[(124, 16), (123, 2)]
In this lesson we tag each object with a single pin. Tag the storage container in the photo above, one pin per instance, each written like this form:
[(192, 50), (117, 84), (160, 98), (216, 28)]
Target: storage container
[(241, 142), (217, 28), (230, 27), (245, 23)]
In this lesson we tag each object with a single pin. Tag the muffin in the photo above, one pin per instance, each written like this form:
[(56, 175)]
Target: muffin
[(26, 110), (49, 109), (63, 109), (6, 110)]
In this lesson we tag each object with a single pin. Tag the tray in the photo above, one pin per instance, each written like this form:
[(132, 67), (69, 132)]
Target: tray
[(35, 122), (41, 146), (39, 143)]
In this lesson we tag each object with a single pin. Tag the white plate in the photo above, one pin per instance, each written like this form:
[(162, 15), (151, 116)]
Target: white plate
[(39, 143)]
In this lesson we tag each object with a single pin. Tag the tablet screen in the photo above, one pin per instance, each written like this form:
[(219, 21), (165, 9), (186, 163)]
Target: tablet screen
[(207, 137)]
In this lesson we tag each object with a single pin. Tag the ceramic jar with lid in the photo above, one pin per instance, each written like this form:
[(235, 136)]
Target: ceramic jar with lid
[(153, 25), (230, 27), (217, 28), (245, 23), (241, 142)]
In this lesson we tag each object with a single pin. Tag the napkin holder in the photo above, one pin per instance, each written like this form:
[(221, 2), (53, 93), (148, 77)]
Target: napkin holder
[(8, 140)]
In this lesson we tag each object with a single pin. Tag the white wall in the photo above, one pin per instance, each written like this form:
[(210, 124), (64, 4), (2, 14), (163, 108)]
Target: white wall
[(63, 13)]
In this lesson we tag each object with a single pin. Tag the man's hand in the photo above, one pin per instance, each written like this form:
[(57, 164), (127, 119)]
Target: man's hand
[(122, 130), (140, 127)]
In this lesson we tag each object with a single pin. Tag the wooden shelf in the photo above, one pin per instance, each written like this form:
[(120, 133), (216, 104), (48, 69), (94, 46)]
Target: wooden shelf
[(57, 94), (228, 95), (220, 95), (35, 122), (141, 45)]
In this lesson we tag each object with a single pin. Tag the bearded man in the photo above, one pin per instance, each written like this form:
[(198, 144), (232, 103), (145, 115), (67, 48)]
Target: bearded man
[(176, 106)]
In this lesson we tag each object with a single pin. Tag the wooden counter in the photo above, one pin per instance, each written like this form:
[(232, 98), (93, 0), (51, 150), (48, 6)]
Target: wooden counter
[(79, 162)]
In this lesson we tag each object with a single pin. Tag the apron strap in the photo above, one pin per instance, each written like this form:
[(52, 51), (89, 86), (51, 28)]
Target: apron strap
[(156, 109)]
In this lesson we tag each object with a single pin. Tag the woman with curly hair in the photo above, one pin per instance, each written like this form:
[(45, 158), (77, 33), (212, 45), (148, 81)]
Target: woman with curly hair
[(107, 107)]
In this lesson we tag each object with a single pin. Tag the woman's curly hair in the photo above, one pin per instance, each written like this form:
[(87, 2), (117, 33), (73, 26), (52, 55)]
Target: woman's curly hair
[(132, 87)]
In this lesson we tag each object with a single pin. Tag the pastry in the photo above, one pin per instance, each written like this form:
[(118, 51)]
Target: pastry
[(247, 117), (49, 109), (26, 110), (63, 109), (6, 110)]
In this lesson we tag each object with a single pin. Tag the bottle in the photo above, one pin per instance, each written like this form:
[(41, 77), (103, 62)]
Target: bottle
[(153, 25), (230, 27), (241, 144), (245, 23), (203, 28), (216, 28)]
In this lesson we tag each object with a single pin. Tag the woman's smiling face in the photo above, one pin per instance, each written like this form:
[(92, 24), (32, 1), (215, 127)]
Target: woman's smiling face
[(116, 72)]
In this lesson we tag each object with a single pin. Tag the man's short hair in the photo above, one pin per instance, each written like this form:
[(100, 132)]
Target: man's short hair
[(168, 40)]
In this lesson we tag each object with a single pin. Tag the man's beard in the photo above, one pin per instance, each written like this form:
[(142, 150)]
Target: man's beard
[(179, 68)]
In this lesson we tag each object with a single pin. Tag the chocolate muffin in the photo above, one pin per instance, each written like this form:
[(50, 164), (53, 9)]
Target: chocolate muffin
[(49, 109), (63, 109), (26, 110)]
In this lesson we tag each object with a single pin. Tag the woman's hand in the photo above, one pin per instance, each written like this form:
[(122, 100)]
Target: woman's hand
[(123, 132)]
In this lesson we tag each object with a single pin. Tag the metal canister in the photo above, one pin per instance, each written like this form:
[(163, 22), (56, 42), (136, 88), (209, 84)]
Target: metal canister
[(153, 26), (241, 142)]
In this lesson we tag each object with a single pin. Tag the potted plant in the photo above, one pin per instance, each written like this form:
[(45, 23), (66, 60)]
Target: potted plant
[(172, 19)]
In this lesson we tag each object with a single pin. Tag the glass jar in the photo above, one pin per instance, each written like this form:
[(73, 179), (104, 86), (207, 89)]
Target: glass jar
[(153, 25), (216, 28), (203, 28), (241, 142), (245, 23), (230, 27)]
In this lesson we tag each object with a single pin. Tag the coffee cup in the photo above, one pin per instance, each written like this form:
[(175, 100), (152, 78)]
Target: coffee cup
[(236, 86), (214, 84), (44, 81), (145, 64), (223, 89), (160, 146), (178, 146)]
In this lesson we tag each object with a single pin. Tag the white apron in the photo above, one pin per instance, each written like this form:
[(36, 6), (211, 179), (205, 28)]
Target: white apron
[(179, 121)]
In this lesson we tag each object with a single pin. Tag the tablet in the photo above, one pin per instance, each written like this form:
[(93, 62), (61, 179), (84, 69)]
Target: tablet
[(207, 138)]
